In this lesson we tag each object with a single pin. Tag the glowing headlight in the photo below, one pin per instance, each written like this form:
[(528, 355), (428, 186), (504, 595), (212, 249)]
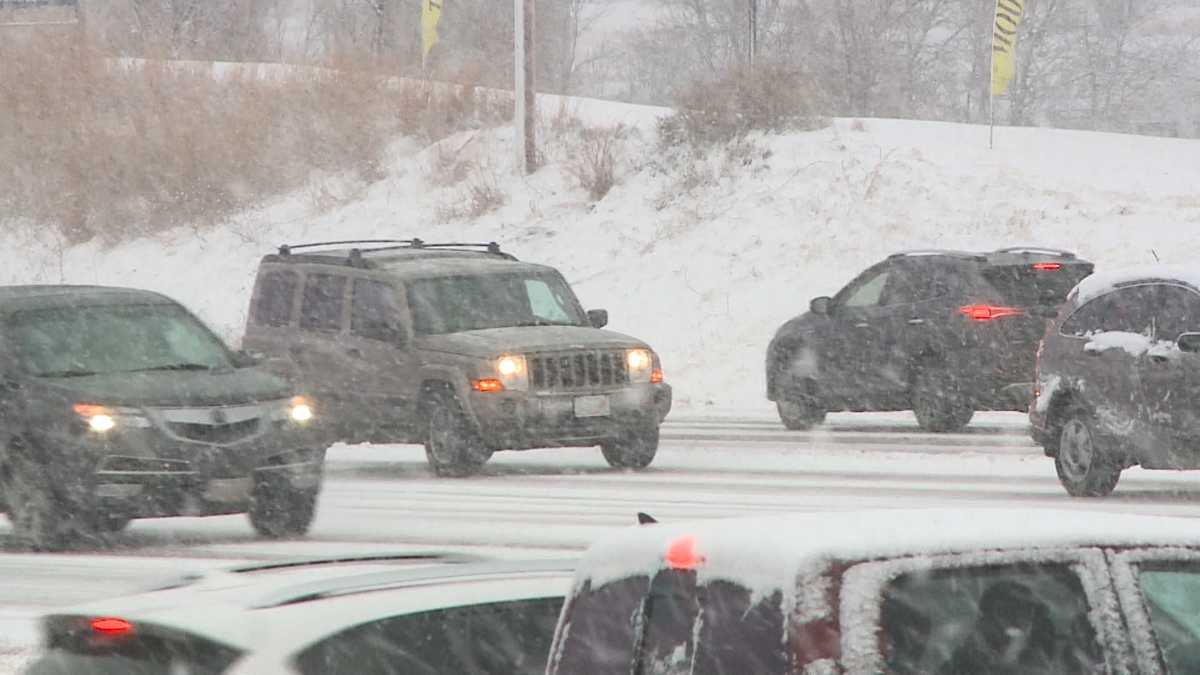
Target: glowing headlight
[(299, 410), (640, 362), (513, 372), (102, 419)]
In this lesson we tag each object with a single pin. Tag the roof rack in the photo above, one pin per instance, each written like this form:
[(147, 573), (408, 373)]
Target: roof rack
[(915, 253), (440, 556), (1043, 250), (490, 247)]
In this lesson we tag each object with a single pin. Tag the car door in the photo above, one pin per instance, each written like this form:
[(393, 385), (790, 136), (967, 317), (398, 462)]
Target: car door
[(1034, 612), (854, 340), (1170, 380), (379, 358), (1109, 335)]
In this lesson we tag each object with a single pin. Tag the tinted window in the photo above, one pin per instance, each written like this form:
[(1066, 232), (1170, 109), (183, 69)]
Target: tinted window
[(73, 650), (1030, 619), (276, 291), (1023, 286), (1178, 311), (921, 280), (1172, 596), (373, 311), (494, 639), (600, 630), (321, 308), (1128, 310)]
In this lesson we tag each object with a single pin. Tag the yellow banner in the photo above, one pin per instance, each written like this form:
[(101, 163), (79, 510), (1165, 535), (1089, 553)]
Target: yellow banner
[(1004, 43), (431, 11)]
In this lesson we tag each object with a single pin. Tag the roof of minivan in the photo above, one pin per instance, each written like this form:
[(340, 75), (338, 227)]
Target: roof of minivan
[(299, 604), (768, 553), (414, 263), (24, 297), (1103, 282)]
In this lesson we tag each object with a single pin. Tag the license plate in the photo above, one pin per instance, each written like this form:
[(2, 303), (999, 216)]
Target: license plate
[(591, 406)]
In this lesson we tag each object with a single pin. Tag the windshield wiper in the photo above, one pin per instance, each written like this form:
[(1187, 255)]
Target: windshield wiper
[(68, 373), (542, 322), (173, 366)]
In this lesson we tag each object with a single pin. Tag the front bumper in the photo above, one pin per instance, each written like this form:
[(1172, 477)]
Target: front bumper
[(523, 420), (144, 473)]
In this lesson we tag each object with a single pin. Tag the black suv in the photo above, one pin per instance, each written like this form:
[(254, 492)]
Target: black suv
[(461, 347), (942, 333), (118, 404), (1119, 379)]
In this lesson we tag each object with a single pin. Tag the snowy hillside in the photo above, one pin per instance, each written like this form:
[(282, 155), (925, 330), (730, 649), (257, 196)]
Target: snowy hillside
[(702, 258)]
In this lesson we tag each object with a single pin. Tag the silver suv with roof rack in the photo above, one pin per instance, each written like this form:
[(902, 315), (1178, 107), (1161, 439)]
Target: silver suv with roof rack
[(461, 347)]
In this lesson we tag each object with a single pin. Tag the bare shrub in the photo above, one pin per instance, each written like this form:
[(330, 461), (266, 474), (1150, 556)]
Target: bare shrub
[(97, 149), (594, 163), (479, 196), (765, 98)]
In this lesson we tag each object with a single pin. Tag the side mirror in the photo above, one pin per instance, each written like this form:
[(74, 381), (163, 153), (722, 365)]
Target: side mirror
[(820, 306), (1189, 343), (598, 317)]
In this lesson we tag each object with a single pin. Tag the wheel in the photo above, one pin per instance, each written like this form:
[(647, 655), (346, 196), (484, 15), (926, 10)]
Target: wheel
[(938, 404), (633, 449), (279, 510), (452, 447), (800, 415), (1083, 467), (41, 517)]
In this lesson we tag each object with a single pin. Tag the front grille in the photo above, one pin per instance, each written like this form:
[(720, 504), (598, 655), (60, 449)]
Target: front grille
[(215, 433), (577, 370)]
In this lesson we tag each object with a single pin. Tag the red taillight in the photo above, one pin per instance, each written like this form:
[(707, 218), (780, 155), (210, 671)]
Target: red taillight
[(681, 554), (487, 385), (108, 625), (1047, 266), (988, 312)]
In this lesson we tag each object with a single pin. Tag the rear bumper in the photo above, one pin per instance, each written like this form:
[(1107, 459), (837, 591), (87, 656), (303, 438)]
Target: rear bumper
[(517, 420)]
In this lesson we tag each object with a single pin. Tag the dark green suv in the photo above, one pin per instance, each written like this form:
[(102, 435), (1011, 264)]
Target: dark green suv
[(118, 404)]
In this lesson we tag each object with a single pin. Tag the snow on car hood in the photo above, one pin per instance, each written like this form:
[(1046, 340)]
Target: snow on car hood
[(767, 554), (492, 341)]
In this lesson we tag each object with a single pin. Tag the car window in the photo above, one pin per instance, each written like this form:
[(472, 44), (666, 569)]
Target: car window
[(1024, 285), (1126, 310), (1177, 311), (373, 311), (544, 303), (499, 638), (276, 291), (920, 280), (600, 628), (1171, 593), (1026, 619), (321, 306), (454, 304), (148, 651), (867, 291)]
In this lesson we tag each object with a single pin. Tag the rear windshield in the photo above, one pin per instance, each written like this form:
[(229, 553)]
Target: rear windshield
[(673, 625), (1024, 286), (74, 649)]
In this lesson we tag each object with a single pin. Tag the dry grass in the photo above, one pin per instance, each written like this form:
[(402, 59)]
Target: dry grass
[(479, 195), (100, 151), (594, 163)]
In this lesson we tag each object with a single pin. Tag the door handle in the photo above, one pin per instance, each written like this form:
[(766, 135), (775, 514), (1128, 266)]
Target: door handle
[(916, 322)]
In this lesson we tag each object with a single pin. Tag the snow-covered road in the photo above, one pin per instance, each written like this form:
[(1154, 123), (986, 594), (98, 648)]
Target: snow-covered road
[(552, 502)]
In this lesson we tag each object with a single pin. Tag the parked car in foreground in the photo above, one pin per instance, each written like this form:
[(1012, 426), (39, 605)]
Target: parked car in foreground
[(960, 592), (119, 403), (410, 614), (941, 333), (461, 347), (1119, 378)]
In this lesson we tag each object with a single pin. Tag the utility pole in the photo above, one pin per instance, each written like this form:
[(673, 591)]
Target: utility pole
[(753, 41), (524, 89)]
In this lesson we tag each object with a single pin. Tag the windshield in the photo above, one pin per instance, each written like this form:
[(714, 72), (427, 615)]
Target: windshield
[(455, 304), (103, 339)]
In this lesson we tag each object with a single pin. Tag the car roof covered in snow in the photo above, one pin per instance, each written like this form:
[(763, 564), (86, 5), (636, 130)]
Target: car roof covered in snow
[(286, 607), (768, 553), (1101, 283), (14, 298)]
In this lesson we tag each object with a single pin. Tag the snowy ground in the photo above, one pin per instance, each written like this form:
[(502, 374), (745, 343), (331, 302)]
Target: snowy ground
[(554, 502)]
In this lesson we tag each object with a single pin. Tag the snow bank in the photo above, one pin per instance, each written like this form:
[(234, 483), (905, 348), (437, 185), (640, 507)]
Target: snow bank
[(702, 257)]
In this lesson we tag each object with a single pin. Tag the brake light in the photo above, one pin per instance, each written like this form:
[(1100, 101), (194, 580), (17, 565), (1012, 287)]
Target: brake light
[(109, 625), (487, 385), (1047, 266), (681, 554), (988, 312), (656, 376)]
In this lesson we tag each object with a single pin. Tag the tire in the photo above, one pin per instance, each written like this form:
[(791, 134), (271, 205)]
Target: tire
[(1084, 467), (42, 519), (634, 449), (938, 404), (453, 447), (800, 415), (278, 510)]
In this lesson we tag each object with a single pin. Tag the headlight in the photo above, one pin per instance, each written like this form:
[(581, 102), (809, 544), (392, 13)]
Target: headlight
[(297, 409), (641, 365), (102, 419), (513, 372)]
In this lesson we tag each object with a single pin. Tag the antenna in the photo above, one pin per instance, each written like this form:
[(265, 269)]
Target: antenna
[(1155, 254)]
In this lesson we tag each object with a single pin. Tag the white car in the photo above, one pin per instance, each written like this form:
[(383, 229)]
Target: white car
[(411, 614)]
